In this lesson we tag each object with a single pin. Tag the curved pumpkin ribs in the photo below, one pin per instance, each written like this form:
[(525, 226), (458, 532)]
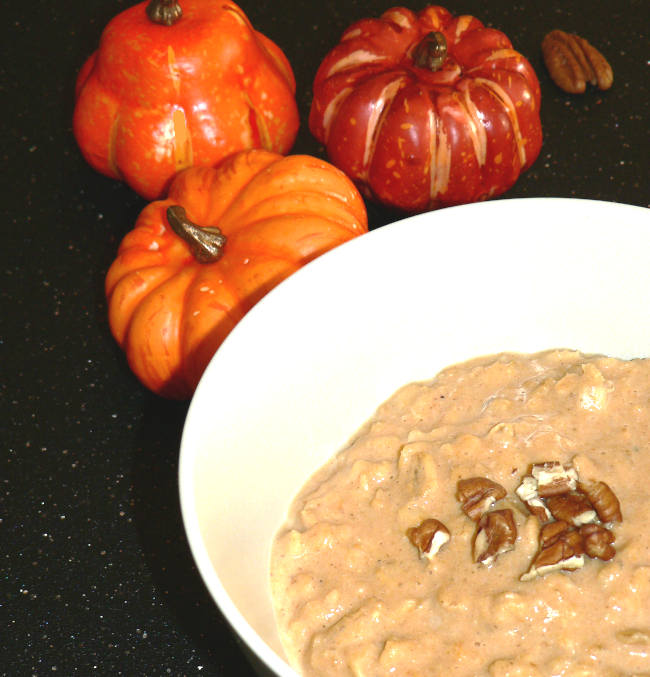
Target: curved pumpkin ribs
[(427, 110), (476, 132), (439, 152), (259, 129), (508, 105), (155, 99), (174, 73), (261, 216), (183, 155)]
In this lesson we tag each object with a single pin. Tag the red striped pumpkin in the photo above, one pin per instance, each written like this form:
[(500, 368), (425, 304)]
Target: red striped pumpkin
[(427, 110)]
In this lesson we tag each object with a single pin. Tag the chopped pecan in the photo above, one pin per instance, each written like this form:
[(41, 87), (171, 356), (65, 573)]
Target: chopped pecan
[(572, 63), (597, 541), (572, 507), (551, 532), (566, 552), (553, 478), (477, 495), (428, 537), (496, 534), (571, 513), (527, 492), (603, 500)]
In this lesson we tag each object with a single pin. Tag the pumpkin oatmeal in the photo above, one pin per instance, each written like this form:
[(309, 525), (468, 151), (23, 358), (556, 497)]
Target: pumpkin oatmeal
[(494, 521)]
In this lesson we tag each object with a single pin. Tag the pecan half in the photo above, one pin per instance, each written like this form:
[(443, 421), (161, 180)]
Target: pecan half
[(597, 541), (566, 552), (603, 499), (428, 537), (572, 507), (572, 63), (477, 495), (553, 478), (496, 534)]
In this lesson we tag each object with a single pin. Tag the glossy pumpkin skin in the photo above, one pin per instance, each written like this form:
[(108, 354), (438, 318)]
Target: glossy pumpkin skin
[(169, 312), (155, 99), (418, 139)]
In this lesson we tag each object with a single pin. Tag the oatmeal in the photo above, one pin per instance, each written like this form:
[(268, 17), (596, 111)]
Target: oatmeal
[(494, 521)]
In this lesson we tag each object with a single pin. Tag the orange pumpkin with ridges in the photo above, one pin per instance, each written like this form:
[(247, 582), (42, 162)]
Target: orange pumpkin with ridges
[(197, 261), (156, 97)]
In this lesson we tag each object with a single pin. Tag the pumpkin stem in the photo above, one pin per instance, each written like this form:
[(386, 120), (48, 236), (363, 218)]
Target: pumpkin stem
[(206, 244), (431, 52), (165, 12)]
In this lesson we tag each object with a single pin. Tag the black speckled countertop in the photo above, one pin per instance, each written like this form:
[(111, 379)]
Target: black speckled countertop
[(95, 574)]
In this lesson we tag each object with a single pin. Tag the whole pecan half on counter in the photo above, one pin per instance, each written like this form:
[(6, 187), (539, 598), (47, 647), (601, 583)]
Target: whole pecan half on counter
[(572, 62)]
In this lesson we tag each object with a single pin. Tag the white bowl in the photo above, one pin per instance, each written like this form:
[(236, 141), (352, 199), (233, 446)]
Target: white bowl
[(313, 360)]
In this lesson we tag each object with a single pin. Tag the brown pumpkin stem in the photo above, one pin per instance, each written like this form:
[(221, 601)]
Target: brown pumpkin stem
[(431, 52), (206, 244), (165, 12)]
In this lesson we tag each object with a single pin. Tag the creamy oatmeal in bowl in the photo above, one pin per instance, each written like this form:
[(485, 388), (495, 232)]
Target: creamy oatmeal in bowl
[(317, 356), (493, 521)]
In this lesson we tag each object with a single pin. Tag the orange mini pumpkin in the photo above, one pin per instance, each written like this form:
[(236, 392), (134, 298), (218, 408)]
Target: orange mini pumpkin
[(197, 261), (176, 83)]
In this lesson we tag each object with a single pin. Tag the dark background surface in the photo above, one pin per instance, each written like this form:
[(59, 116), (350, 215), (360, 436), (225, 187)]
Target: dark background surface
[(95, 574)]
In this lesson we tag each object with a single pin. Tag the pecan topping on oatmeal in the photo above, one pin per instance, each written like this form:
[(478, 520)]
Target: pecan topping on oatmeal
[(553, 478), (572, 507), (572, 513), (527, 492), (597, 541), (428, 537), (496, 534), (477, 495), (603, 499), (551, 532), (565, 552)]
